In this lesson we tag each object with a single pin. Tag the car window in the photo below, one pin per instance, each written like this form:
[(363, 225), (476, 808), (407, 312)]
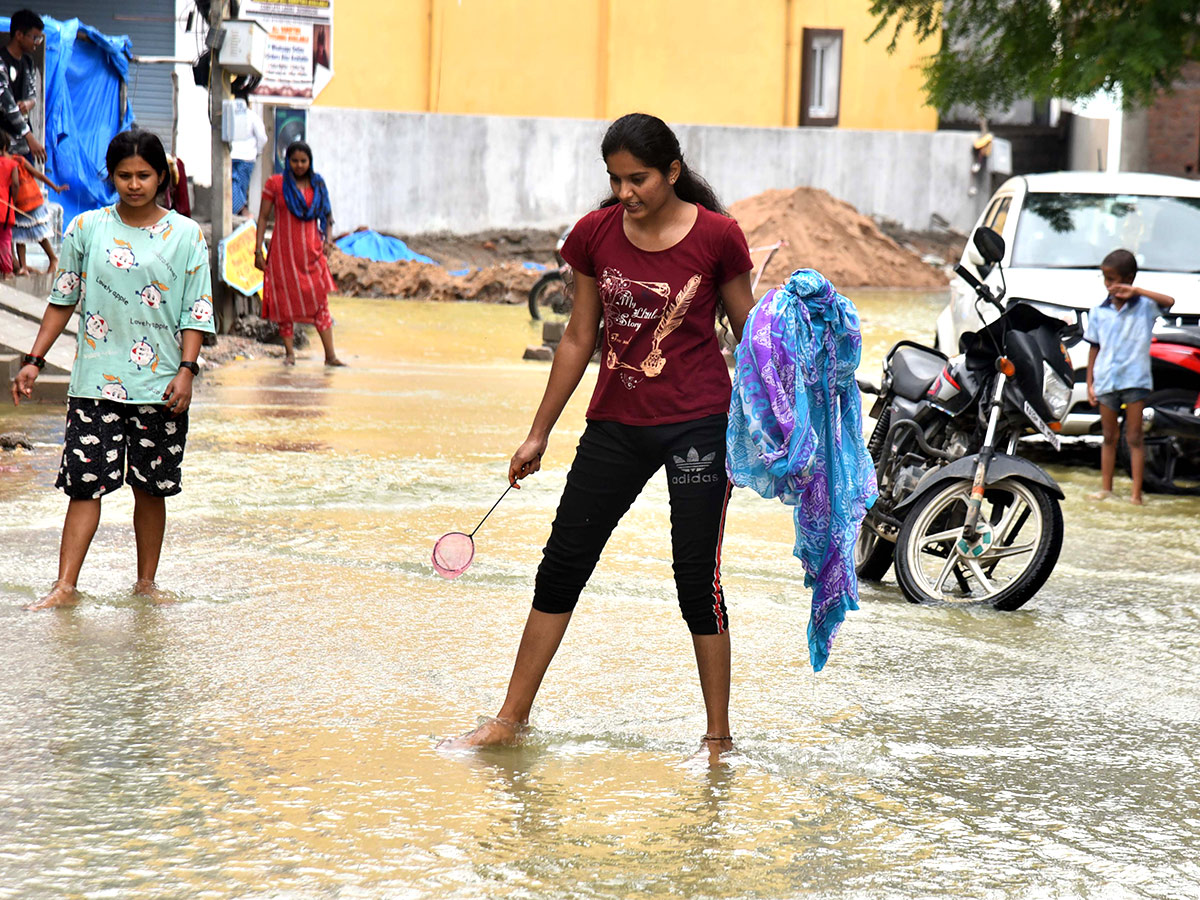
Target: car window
[(997, 223), (1076, 231), (991, 212)]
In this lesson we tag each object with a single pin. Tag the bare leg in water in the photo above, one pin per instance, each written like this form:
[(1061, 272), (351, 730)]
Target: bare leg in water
[(83, 517), (149, 526), (289, 349), (713, 663), (543, 633), (327, 342)]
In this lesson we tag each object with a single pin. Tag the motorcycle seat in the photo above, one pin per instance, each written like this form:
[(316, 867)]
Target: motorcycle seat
[(1183, 335), (913, 370)]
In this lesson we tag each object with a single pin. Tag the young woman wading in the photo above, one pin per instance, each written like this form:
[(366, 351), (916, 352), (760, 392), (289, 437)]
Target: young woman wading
[(653, 263)]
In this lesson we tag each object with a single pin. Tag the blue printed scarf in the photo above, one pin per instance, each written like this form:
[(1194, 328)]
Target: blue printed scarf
[(796, 433), (319, 209)]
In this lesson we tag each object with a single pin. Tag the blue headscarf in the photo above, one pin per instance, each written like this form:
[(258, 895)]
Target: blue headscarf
[(319, 209)]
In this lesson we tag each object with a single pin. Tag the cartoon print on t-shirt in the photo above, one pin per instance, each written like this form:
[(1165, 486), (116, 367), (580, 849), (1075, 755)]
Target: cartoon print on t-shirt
[(66, 282), (122, 257), (624, 318), (202, 309), (152, 294), (94, 329), (163, 227), (114, 390), (143, 354)]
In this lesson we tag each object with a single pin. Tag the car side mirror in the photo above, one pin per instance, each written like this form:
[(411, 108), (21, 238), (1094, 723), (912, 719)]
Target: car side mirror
[(973, 257), (989, 244)]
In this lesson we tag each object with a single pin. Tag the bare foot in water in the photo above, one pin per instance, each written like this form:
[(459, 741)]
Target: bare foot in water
[(152, 592), (334, 362), (493, 732), (1100, 495), (61, 594), (289, 360), (713, 748)]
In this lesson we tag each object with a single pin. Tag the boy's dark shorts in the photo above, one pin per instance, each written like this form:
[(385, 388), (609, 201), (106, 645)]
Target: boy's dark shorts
[(102, 435), (1117, 399)]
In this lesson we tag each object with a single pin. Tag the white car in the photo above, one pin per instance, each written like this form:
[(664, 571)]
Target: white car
[(1057, 227)]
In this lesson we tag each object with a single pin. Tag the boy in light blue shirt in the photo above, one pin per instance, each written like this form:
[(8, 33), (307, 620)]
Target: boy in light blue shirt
[(1118, 371)]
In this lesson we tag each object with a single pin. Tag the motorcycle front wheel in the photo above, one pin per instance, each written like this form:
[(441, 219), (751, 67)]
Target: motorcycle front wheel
[(1022, 526), (548, 298)]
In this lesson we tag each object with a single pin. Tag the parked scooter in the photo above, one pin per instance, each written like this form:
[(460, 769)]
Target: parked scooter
[(964, 521)]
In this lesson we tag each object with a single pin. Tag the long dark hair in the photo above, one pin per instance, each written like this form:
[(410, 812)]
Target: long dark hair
[(136, 142), (650, 140)]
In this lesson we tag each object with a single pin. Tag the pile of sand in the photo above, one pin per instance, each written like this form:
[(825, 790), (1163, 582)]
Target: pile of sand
[(831, 236), (505, 282)]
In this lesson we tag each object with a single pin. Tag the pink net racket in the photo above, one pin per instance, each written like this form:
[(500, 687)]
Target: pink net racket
[(454, 551)]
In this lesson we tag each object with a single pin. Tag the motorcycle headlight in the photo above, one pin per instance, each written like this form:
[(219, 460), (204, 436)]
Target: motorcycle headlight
[(1055, 392)]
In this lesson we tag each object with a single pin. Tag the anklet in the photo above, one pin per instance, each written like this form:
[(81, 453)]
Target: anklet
[(713, 737)]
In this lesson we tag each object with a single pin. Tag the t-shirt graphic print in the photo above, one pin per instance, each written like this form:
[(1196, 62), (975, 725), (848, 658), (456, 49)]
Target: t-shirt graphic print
[(627, 312)]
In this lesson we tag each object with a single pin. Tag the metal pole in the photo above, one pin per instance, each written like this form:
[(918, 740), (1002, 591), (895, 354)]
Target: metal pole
[(221, 197)]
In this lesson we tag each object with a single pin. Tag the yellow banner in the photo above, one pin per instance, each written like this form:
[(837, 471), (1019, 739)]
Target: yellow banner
[(237, 260)]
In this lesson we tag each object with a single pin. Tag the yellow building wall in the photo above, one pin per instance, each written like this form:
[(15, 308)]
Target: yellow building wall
[(380, 55), (698, 61), (516, 57), (719, 62)]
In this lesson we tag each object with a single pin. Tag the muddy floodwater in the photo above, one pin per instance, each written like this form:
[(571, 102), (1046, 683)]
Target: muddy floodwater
[(273, 733)]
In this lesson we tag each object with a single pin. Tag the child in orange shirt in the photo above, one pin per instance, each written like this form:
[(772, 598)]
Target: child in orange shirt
[(33, 225)]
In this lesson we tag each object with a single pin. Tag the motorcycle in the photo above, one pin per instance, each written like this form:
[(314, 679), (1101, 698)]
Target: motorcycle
[(963, 518), (1171, 418), (549, 295)]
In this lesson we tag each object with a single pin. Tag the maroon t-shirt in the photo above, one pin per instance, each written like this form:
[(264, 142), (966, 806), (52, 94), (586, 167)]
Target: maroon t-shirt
[(660, 360)]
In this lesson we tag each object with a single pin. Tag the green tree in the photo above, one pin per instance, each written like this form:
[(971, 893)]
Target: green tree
[(994, 51)]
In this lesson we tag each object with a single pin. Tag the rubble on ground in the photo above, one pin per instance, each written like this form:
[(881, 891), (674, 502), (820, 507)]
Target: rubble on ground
[(503, 282)]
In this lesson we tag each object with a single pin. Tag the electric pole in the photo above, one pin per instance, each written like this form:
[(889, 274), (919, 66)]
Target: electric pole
[(221, 199)]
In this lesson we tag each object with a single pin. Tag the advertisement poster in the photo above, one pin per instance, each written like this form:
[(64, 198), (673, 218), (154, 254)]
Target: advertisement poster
[(236, 259), (299, 48)]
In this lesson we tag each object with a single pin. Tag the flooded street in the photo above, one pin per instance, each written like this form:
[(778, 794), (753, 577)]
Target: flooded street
[(273, 733)]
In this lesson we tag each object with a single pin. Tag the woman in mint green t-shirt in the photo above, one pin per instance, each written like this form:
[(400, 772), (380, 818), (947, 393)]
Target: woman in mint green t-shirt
[(139, 275)]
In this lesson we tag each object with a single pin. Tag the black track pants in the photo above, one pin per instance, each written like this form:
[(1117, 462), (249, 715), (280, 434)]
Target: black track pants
[(612, 464)]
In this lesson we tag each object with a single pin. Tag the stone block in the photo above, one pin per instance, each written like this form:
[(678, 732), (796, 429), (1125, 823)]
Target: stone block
[(552, 332), (540, 352)]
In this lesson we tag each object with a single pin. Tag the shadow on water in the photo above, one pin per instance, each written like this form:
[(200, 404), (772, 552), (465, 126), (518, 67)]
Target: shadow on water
[(274, 733)]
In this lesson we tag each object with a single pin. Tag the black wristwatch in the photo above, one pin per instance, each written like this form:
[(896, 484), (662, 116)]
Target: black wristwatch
[(192, 367), (30, 360)]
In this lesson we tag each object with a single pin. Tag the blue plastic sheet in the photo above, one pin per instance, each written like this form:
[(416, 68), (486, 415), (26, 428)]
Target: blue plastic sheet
[(83, 81), (379, 247)]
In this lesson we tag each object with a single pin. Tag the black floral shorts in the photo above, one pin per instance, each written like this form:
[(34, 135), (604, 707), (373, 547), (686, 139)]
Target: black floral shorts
[(102, 435)]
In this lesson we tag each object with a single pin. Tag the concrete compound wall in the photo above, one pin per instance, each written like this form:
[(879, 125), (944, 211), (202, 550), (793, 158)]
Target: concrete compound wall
[(411, 173)]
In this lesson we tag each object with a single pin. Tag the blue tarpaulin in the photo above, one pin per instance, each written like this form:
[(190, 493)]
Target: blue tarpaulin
[(379, 247), (83, 81)]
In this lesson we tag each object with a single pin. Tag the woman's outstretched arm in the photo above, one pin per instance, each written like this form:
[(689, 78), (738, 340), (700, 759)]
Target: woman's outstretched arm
[(570, 361)]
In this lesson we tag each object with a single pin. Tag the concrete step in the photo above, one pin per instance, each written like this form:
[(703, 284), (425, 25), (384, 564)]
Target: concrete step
[(17, 334), (26, 297)]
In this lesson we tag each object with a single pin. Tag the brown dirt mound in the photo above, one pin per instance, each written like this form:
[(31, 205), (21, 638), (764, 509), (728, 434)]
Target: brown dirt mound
[(505, 282), (831, 236)]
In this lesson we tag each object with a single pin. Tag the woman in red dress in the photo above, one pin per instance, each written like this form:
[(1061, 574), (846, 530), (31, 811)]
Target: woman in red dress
[(296, 279)]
